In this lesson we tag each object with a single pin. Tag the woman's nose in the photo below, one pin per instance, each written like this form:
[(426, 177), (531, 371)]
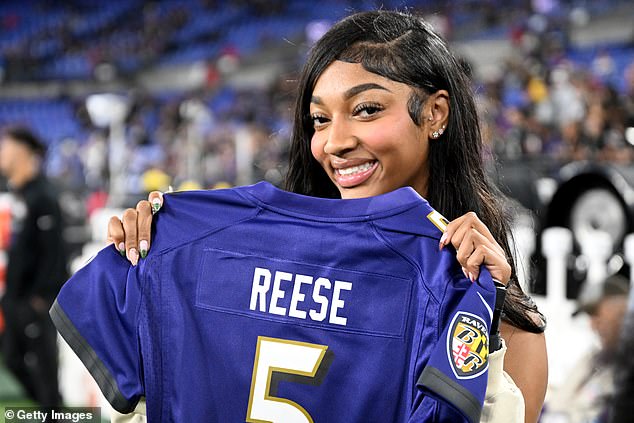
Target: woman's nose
[(340, 137)]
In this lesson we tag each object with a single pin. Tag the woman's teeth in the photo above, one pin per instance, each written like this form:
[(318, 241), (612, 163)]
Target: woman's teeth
[(355, 169)]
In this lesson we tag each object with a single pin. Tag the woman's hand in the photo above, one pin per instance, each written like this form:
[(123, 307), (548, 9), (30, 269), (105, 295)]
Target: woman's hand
[(131, 235), (475, 245)]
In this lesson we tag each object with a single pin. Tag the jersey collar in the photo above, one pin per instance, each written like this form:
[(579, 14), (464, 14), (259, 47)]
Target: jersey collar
[(326, 209)]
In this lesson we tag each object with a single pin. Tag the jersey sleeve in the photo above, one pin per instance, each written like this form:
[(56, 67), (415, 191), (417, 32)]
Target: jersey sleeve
[(457, 370), (96, 312)]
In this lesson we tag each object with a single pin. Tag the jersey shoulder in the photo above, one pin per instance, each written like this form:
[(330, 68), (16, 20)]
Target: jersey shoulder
[(422, 220), (190, 215)]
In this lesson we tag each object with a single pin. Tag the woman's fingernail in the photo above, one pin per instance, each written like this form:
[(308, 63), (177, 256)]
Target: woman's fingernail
[(471, 277), (121, 248), (143, 246), (465, 273), (133, 255), (443, 238), (156, 205)]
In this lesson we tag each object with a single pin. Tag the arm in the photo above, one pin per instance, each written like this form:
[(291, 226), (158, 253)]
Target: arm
[(504, 402), (526, 359), (526, 362)]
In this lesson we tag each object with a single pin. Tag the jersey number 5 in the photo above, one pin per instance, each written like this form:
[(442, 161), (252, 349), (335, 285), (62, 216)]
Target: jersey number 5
[(284, 356)]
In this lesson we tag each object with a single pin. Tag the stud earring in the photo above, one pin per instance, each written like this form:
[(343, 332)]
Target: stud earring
[(430, 118), (438, 133)]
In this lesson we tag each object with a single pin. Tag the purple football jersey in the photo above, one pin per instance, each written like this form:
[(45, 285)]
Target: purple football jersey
[(259, 305)]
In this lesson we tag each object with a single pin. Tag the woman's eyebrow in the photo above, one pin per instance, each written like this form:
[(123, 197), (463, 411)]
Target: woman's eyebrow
[(357, 89)]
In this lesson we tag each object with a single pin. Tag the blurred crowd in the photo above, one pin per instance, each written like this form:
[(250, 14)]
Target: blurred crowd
[(560, 112), (184, 140), (544, 104), (548, 101)]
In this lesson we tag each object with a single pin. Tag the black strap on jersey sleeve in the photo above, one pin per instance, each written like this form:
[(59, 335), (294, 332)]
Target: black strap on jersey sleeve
[(495, 341), (451, 392), (105, 380)]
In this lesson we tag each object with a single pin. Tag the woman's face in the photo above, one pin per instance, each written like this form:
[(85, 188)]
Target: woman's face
[(364, 136)]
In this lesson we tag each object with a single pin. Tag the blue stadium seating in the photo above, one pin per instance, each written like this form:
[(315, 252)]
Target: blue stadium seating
[(110, 32), (53, 120)]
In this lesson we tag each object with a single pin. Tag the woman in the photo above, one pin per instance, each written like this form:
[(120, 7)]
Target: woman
[(383, 104)]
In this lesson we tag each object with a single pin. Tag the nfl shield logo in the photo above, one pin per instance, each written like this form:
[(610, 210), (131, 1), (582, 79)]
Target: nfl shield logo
[(468, 345)]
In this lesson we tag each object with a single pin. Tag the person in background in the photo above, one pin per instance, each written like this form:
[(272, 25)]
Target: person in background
[(588, 391), (36, 267)]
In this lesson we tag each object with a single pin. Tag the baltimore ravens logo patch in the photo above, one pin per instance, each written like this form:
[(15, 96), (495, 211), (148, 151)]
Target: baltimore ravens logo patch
[(468, 345)]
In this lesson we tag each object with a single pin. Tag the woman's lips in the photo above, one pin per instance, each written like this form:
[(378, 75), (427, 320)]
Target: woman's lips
[(352, 176)]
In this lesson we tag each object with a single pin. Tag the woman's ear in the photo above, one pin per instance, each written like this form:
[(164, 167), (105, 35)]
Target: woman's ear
[(437, 113)]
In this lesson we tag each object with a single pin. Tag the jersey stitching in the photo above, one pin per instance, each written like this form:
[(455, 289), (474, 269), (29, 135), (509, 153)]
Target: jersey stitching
[(351, 330), (156, 367), (206, 234), (414, 264), (164, 404), (251, 254), (418, 356), (141, 280), (305, 216), (408, 259)]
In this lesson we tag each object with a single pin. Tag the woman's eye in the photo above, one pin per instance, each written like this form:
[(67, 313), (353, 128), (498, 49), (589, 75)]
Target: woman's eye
[(367, 110), (318, 120)]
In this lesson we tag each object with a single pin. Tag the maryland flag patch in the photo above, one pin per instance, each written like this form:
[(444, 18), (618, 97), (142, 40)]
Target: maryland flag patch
[(468, 345)]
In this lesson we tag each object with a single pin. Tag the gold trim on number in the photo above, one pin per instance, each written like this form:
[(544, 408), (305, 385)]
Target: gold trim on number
[(267, 396)]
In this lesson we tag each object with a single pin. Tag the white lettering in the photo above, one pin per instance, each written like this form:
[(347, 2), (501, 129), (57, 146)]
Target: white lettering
[(338, 303), (473, 322), (326, 296), (258, 291), (298, 297), (277, 293), (32, 415), (320, 299)]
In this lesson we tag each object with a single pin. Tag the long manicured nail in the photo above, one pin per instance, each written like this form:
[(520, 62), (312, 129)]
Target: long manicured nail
[(121, 248), (156, 205), (443, 238), (465, 273), (133, 255), (143, 246), (471, 277)]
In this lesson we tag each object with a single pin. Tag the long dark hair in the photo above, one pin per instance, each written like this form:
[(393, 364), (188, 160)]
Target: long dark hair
[(405, 49)]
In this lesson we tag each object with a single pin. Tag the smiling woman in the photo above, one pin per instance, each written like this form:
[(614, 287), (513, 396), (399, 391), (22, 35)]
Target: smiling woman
[(364, 137), (383, 104), (421, 129)]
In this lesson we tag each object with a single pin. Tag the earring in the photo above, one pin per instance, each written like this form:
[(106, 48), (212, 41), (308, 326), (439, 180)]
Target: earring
[(430, 118), (438, 133)]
